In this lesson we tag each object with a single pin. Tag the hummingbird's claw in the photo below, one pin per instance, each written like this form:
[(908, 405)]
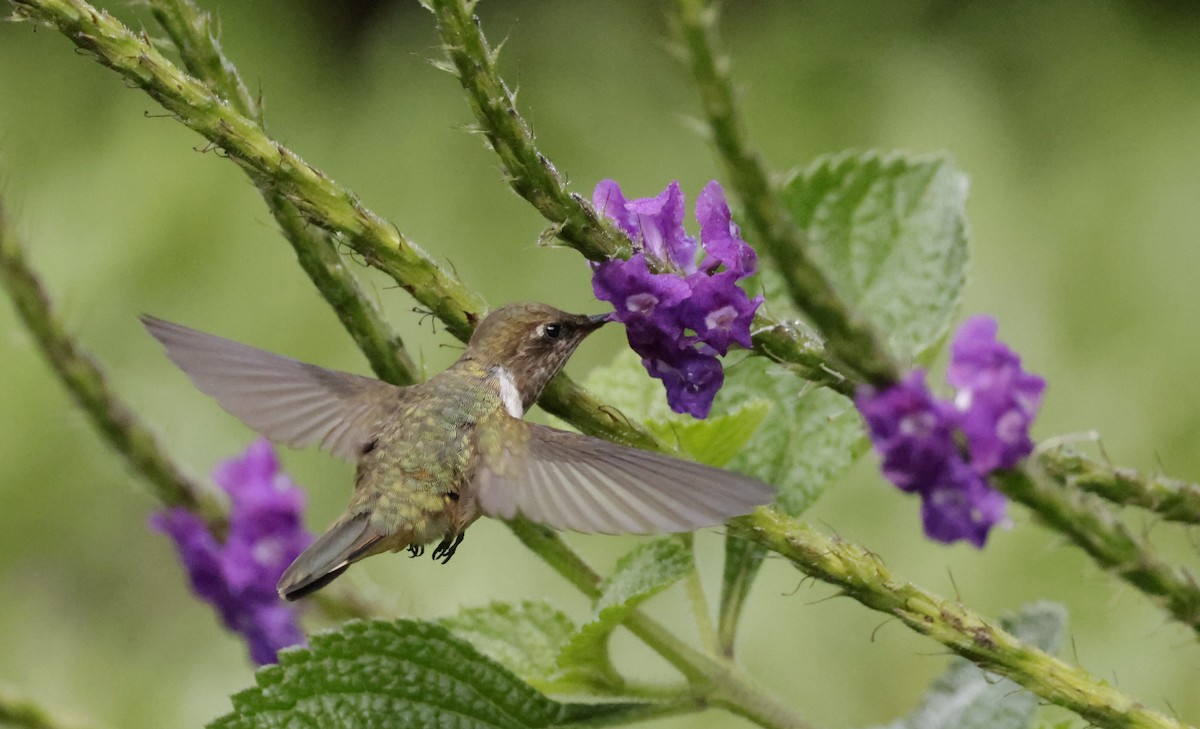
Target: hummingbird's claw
[(416, 550), (448, 547)]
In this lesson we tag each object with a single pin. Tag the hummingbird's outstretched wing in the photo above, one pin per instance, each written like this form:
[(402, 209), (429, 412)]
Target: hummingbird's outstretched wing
[(287, 400), (571, 481)]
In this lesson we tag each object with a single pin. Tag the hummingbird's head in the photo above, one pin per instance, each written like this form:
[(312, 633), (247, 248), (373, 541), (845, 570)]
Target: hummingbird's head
[(529, 344)]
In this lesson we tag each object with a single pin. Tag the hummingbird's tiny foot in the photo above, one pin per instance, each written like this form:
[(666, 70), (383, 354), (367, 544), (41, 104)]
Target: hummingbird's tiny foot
[(416, 550), (448, 546)]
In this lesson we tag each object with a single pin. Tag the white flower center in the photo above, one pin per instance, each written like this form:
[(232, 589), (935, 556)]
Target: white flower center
[(640, 303), (721, 318), (1010, 426), (267, 552), (921, 423)]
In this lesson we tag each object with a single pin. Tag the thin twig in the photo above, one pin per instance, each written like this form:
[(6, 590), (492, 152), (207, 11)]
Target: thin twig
[(849, 338)]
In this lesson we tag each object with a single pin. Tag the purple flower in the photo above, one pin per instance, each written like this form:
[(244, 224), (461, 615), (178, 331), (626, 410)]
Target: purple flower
[(722, 238), (639, 295), (912, 430), (944, 450), (997, 398), (718, 310), (266, 532), (691, 379), (681, 318), (655, 224), (961, 505)]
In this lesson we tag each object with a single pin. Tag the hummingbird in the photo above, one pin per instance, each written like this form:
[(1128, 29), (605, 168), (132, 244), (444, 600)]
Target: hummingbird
[(433, 457)]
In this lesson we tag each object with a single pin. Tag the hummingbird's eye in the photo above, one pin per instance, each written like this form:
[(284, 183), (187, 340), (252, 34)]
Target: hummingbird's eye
[(552, 331)]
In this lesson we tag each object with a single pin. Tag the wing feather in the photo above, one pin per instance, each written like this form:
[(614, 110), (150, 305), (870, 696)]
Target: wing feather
[(571, 481), (287, 400)]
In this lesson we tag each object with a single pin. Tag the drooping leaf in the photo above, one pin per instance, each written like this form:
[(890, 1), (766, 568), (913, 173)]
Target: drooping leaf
[(890, 230), (638, 576), (967, 697), (525, 638), (406, 673)]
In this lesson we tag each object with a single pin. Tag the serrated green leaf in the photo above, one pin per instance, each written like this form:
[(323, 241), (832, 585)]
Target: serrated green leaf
[(809, 438), (638, 576), (381, 675), (966, 697), (526, 638), (890, 231)]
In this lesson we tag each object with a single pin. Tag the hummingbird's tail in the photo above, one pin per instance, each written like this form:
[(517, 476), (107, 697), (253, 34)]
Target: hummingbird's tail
[(347, 541)]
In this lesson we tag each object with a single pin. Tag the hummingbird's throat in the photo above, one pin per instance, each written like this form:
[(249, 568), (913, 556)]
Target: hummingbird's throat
[(510, 395)]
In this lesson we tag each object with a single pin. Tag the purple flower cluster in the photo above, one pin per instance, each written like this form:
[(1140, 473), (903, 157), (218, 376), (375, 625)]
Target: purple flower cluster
[(680, 319), (266, 532), (919, 436)]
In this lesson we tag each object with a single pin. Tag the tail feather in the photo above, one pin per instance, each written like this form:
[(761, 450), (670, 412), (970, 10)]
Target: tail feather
[(346, 542)]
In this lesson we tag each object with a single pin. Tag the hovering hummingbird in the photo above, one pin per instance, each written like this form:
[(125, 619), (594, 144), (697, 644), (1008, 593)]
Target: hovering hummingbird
[(434, 457)]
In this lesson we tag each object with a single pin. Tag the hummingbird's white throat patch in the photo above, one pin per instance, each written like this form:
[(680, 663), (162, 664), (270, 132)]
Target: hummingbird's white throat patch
[(509, 394)]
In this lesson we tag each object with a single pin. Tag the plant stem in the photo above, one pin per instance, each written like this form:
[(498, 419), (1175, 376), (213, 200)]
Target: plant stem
[(849, 338), (271, 165), (114, 421), (88, 385), (1170, 498), (574, 221), (861, 575), (1092, 526), (715, 678), (320, 201), (191, 31), (700, 609)]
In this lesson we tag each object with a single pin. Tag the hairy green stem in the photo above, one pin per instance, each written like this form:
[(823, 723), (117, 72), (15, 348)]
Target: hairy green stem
[(117, 424), (849, 338), (861, 574), (86, 382), (575, 222), (191, 30), (1170, 498), (1093, 526), (271, 165), (321, 201)]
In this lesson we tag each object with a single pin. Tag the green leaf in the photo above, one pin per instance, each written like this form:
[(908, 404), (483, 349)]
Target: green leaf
[(525, 638), (809, 438), (966, 697), (890, 231), (638, 576), (718, 438), (398, 674), (766, 423), (713, 441)]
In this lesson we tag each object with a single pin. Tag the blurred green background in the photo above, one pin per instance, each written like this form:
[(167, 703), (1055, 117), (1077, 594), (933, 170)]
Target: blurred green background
[(1076, 121)]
